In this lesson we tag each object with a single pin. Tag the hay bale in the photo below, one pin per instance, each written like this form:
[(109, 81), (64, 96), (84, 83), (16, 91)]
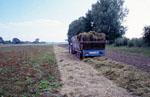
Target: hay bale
[(91, 36)]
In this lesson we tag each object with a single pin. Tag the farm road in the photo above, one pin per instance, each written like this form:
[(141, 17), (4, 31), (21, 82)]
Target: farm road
[(81, 80)]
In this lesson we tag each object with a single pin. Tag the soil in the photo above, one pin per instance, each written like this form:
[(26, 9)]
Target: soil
[(137, 61), (81, 80)]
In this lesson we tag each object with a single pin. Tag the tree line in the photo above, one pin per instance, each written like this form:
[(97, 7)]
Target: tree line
[(106, 16), (18, 41), (144, 41)]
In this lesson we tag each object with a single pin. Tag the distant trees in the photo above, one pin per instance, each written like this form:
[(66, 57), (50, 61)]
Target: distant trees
[(7, 42), (16, 41), (106, 16), (135, 42), (146, 35), (1, 40), (36, 41)]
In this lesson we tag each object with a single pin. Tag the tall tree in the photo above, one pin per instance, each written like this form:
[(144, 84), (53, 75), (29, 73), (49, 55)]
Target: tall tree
[(108, 16), (146, 35), (89, 21), (77, 26)]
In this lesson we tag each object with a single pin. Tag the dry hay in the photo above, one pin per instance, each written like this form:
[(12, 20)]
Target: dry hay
[(134, 80), (81, 80), (91, 36)]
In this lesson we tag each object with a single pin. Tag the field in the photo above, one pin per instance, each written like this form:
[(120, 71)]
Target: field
[(116, 67), (135, 56), (34, 71), (28, 71), (81, 80), (138, 51), (132, 79)]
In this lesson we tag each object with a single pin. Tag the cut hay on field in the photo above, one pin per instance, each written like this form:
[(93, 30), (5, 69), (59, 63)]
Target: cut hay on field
[(134, 80)]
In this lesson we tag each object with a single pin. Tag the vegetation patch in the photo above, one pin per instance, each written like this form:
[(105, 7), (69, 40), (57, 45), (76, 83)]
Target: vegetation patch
[(28, 71), (134, 80), (138, 51)]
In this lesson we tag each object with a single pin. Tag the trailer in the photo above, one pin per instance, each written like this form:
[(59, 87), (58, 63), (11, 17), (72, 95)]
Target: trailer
[(86, 48)]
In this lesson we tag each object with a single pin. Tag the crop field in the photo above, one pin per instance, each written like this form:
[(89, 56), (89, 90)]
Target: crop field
[(34, 71), (138, 51), (28, 71), (135, 56)]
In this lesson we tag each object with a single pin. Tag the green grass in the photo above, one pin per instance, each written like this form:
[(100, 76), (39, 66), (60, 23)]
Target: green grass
[(28, 71), (138, 51)]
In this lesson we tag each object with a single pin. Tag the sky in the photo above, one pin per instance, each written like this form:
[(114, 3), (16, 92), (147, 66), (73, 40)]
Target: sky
[(138, 17), (49, 19)]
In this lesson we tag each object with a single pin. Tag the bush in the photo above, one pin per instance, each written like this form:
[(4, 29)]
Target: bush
[(121, 41), (139, 42), (134, 42), (130, 43)]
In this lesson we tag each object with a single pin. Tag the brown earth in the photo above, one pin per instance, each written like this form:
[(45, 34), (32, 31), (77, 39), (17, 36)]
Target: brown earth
[(81, 80), (137, 61)]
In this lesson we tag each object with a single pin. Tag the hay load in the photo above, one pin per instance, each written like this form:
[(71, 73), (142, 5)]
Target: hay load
[(91, 36)]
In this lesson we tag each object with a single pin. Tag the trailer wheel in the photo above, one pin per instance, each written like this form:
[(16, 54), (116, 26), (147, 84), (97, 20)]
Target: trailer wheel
[(71, 50), (80, 56)]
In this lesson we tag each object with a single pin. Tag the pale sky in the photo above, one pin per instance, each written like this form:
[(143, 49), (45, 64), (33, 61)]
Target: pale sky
[(138, 17), (49, 19)]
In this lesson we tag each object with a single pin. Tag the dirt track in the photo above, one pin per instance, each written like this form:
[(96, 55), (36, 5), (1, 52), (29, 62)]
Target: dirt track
[(81, 80)]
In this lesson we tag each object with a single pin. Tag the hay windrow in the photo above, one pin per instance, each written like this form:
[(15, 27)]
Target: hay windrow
[(134, 80)]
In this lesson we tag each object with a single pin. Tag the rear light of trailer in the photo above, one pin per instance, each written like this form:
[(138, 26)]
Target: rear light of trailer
[(101, 52), (86, 52)]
